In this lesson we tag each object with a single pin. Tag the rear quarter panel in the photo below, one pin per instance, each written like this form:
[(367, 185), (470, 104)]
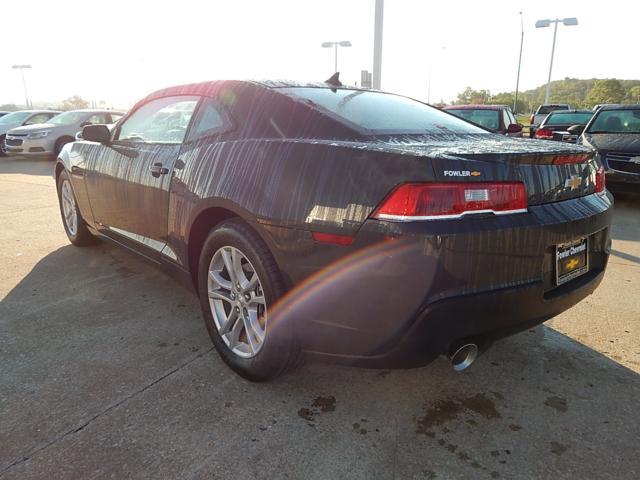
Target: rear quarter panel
[(296, 185)]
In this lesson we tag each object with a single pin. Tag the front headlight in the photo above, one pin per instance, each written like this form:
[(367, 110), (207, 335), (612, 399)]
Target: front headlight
[(35, 135)]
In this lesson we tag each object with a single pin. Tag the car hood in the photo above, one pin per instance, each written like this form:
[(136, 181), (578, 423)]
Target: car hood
[(5, 128), (33, 128), (613, 142)]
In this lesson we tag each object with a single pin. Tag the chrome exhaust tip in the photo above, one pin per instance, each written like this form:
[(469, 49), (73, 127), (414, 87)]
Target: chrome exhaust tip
[(463, 356)]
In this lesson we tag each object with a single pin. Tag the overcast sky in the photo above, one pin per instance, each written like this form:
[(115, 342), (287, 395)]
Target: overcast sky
[(126, 49)]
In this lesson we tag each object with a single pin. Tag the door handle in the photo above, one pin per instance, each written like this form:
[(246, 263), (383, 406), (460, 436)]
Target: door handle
[(157, 169)]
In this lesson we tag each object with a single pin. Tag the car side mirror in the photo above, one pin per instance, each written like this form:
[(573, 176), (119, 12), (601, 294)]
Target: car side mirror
[(514, 128), (576, 129), (96, 133)]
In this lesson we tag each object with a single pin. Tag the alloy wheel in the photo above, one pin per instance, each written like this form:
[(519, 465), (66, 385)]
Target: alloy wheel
[(237, 302), (69, 209)]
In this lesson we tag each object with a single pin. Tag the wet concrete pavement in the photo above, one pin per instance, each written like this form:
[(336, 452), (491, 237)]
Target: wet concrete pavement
[(106, 371)]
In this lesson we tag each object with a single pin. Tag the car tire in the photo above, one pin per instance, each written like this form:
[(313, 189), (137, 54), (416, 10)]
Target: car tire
[(61, 142), (256, 360), (74, 225), (2, 138)]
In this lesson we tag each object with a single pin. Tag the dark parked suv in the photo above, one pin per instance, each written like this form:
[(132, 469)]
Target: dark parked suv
[(614, 132)]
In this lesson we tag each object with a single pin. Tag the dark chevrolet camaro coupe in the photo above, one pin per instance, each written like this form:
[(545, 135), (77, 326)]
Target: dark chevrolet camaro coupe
[(340, 223)]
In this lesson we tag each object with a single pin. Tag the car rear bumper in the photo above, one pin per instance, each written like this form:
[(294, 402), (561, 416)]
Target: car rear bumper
[(623, 181), (475, 318), (401, 303)]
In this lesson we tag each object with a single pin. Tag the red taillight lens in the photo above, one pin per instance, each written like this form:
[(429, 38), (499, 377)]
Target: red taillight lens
[(569, 159), (427, 201), (600, 180), (544, 133)]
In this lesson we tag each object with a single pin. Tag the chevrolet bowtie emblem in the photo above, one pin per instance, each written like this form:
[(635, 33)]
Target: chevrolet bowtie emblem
[(635, 159), (574, 182), (571, 264)]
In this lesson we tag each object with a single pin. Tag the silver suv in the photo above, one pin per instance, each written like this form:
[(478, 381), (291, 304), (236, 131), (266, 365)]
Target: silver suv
[(23, 117), (47, 139)]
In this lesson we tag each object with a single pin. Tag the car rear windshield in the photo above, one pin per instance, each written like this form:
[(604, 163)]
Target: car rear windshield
[(377, 113), (568, 118), (616, 121), (485, 118), (546, 109)]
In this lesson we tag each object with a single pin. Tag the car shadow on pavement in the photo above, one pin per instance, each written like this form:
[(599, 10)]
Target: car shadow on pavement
[(24, 166), (106, 369)]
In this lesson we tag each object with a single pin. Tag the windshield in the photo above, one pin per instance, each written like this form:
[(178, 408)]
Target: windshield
[(14, 118), (568, 118), (616, 121), (380, 113), (551, 108), (68, 118), (485, 118)]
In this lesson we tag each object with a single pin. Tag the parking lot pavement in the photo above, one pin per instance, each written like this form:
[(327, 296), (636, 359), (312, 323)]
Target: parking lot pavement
[(106, 371)]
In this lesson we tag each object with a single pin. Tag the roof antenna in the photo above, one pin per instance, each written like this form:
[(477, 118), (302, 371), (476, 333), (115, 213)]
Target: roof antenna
[(334, 80)]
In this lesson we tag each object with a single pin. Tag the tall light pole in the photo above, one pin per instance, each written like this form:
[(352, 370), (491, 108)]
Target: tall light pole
[(377, 44), (515, 100), (335, 45), (24, 84), (567, 22)]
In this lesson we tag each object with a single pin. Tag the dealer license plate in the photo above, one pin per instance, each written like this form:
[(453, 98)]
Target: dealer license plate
[(572, 260)]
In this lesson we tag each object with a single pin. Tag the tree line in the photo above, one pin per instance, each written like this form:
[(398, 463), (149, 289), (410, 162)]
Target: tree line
[(72, 103), (576, 92)]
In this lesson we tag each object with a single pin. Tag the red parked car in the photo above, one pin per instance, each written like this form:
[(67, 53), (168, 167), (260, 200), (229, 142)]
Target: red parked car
[(495, 118)]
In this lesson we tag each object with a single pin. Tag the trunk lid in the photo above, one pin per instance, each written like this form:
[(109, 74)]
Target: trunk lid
[(488, 157)]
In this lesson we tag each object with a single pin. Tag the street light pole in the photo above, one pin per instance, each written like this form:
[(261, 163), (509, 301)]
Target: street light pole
[(515, 101), (378, 23), (567, 22), (335, 45), (553, 50), (24, 83)]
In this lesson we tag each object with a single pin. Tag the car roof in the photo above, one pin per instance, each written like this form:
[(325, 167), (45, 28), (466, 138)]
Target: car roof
[(476, 107), (210, 87), (37, 111), (620, 106), (95, 110), (571, 111)]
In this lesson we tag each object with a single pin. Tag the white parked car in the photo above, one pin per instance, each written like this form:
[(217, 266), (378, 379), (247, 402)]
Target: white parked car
[(47, 139), (22, 118)]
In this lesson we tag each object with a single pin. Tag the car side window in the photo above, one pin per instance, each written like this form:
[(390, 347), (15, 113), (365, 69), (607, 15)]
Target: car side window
[(115, 117), (164, 120), (210, 119), (506, 118), (38, 118), (97, 119)]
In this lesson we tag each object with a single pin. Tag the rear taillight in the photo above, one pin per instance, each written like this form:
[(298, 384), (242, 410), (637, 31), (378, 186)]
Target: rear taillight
[(600, 182), (544, 133), (434, 201), (569, 159)]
